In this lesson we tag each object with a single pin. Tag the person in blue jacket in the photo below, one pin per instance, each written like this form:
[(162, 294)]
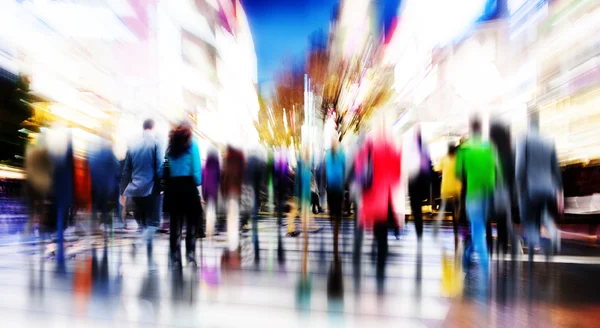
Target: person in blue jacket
[(182, 199)]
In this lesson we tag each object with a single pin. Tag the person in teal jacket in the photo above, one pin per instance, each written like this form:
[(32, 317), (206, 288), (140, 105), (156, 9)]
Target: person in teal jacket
[(182, 199)]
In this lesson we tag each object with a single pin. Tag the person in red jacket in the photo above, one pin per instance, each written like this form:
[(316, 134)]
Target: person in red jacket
[(377, 201)]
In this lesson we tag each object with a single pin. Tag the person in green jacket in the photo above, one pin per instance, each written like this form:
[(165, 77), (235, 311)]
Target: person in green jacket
[(477, 167)]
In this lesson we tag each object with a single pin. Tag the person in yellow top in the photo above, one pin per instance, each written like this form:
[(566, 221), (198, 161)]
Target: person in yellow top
[(451, 188)]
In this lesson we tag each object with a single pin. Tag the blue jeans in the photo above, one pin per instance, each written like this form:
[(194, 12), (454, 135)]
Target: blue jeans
[(477, 212)]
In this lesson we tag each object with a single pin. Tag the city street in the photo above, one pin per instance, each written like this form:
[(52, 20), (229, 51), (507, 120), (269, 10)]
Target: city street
[(117, 286)]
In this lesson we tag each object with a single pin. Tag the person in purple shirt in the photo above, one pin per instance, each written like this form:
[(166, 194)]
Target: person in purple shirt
[(210, 188)]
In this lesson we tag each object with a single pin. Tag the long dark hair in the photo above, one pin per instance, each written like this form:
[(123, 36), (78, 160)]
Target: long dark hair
[(180, 140)]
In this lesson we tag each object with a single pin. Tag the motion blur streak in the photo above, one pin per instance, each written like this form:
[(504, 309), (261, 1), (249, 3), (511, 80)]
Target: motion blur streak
[(419, 163)]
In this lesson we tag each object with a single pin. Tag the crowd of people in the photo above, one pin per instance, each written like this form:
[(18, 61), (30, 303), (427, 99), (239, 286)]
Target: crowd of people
[(491, 178)]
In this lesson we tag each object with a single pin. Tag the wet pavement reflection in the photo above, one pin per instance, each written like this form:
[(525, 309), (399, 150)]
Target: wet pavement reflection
[(426, 285)]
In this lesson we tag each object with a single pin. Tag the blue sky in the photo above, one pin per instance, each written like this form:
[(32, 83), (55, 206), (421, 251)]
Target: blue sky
[(281, 28)]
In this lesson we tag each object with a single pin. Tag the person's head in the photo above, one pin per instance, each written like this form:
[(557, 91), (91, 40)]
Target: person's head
[(148, 124), (180, 139), (534, 122), (500, 135), (475, 126), (452, 148), (334, 141)]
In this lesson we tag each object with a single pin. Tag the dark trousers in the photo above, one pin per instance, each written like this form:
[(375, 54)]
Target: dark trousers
[(380, 230), (502, 231), (146, 214), (281, 199), (335, 199), (255, 210), (175, 228), (418, 189), (146, 210)]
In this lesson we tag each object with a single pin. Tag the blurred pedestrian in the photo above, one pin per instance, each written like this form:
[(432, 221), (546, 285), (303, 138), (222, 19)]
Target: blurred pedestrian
[(504, 193), (315, 201), (281, 186), (60, 147), (38, 184), (477, 166), (335, 171), (539, 184), (419, 183), (142, 172), (378, 168), (104, 170), (210, 188), (450, 190), (233, 175), (256, 176), (182, 199), (321, 183)]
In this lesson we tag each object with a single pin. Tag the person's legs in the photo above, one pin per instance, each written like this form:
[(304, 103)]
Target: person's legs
[(501, 228), (357, 252), (416, 203), (150, 221), (190, 235), (547, 220), (175, 236), (380, 232), (291, 228), (255, 224), (233, 224), (489, 238), (476, 211), (456, 208), (211, 216), (440, 216), (532, 221), (335, 211)]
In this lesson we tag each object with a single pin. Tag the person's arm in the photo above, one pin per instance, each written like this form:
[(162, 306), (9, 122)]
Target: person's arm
[(196, 164), (459, 168), (498, 166), (126, 174), (557, 176), (160, 160), (519, 166)]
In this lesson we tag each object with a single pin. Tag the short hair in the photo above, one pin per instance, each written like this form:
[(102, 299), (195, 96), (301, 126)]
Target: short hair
[(149, 124), (476, 125)]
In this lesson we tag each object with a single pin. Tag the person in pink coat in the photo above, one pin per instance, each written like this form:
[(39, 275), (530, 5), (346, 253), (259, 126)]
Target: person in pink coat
[(376, 208)]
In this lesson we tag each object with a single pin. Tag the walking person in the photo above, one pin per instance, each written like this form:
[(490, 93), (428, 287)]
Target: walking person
[(450, 190), (539, 184), (104, 171), (233, 175), (141, 181), (281, 184), (335, 171), (477, 166), (256, 176), (210, 188), (182, 199), (60, 146), (505, 190), (419, 183), (378, 167)]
